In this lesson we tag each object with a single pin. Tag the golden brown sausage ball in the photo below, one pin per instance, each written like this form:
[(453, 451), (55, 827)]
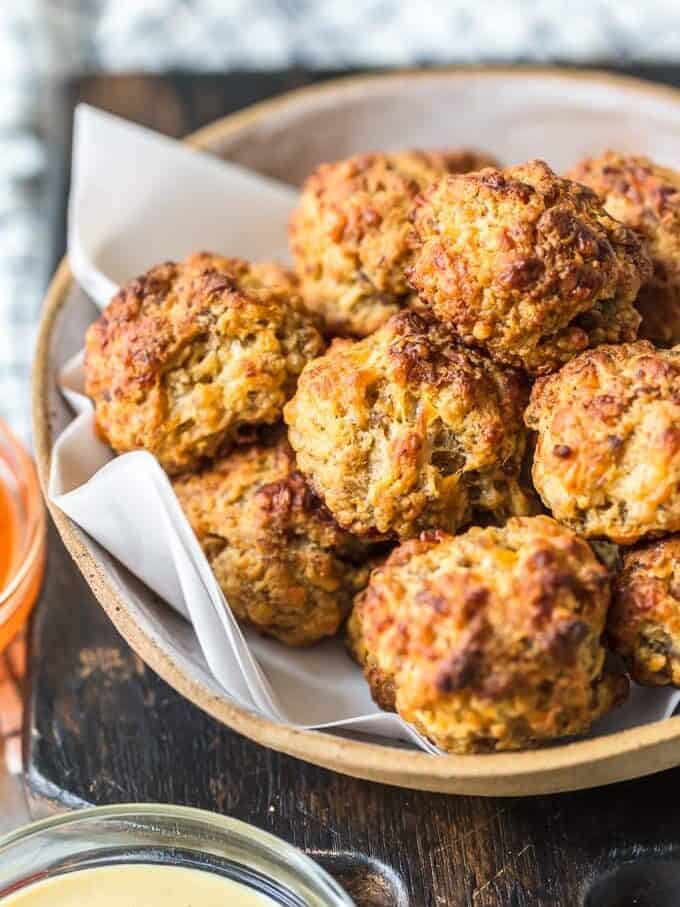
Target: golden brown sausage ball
[(644, 621), (645, 197), (189, 356), (607, 457), (493, 637), (405, 430), (283, 563), (526, 265), (350, 235)]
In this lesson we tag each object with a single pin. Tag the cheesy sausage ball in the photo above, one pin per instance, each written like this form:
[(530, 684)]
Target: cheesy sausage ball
[(283, 563), (191, 355), (350, 235), (405, 430), (493, 637), (526, 265), (645, 197), (644, 621), (607, 457)]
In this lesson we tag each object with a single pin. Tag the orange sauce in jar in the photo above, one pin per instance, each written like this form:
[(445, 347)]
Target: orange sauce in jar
[(22, 536), (9, 531)]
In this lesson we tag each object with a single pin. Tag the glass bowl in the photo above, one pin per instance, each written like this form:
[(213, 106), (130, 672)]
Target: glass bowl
[(166, 835), (22, 536)]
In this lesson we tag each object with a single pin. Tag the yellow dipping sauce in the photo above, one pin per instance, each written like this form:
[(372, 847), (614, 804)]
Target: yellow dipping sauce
[(137, 885)]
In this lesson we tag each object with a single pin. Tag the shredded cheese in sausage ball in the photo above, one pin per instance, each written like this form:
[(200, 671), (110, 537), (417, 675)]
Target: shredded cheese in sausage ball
[(644, 621), (492, 639), (284, 564), (526, 265), (645, 197), (190, 356), (351, 236), (607, 457), (406, 430)]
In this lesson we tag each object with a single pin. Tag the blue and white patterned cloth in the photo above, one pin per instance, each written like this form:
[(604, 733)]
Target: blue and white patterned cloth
[(24, 243), (41, 40)]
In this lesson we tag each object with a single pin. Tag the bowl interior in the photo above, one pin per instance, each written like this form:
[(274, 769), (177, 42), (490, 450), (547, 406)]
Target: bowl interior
[(516, 115), (556, 115)]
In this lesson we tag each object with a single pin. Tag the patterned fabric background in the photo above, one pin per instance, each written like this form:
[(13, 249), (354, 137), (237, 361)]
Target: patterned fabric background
[(42, 40)]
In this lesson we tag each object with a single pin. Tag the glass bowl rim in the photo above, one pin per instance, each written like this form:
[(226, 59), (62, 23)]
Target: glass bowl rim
[(297, 860), (35, 519)]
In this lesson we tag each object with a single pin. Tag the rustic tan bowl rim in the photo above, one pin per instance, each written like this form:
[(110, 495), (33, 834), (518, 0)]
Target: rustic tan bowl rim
[(571, 766)]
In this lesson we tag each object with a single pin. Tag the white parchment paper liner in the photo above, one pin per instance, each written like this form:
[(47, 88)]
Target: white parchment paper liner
[(138, 198)]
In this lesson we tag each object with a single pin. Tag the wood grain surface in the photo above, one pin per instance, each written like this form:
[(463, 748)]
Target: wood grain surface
[(103, 728)]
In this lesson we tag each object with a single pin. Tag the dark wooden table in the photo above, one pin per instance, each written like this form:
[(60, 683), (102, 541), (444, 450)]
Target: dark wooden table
[(102, 728)]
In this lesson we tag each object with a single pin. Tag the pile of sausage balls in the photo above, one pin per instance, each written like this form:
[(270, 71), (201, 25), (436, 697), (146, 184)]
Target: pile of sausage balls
[(424, 433)]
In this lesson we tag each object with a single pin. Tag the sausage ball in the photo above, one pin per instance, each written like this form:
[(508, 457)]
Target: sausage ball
[(187, 358), (350, 235), (283, 563), (644, 621), (645, 197), (405, 430), (493, 637), (607, 457), (526, 265)]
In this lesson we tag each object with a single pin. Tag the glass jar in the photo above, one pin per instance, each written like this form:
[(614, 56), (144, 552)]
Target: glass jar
[(22, 536), (166, 835)]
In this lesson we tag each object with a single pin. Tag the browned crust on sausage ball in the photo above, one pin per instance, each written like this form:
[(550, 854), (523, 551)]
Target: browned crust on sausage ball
[(189, 355), (351, 238), (646, 197), (644, 621), (282, 561), (607, 457), (526, 265), (493, 637), (405, 430)]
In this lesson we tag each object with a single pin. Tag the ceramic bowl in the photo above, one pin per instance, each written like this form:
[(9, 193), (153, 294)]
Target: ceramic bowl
[(559, 115)]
